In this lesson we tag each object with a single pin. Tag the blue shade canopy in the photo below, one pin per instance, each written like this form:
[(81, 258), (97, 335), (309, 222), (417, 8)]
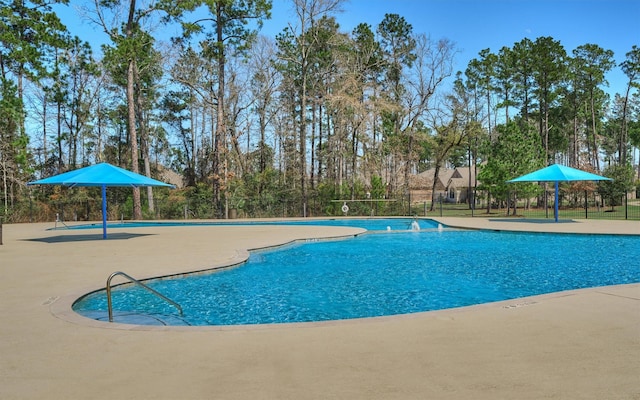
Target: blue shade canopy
[(101, 175), (558, 173)]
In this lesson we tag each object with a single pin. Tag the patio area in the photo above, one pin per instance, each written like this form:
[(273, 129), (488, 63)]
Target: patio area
[(578, 344)]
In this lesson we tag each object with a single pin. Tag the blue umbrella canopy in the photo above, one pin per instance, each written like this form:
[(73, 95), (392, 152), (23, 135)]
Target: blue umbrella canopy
[(101, 175), (558, 173)]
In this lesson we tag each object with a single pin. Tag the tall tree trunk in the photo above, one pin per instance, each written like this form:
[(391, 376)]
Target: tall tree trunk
[(215, 162), (354, 158), (192, 160), (623, 129), (59, 134), (436, 174), (321, 152), (263, 144), (144, 139), (133, 138), (220, 119), (489, 113), (593, 127), (303, 137), (313, 145), (44, 131), (407, 167), (131, 113)]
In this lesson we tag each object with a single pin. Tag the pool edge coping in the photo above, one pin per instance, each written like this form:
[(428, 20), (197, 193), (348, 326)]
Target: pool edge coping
[(71, 316), (62, 307)]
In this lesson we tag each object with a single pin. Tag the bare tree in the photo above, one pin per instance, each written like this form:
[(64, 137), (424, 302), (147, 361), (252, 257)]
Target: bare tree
[(308, 13), (432, 65), (264, 81)]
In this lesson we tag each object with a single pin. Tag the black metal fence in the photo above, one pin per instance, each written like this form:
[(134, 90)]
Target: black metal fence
[(571, 205)]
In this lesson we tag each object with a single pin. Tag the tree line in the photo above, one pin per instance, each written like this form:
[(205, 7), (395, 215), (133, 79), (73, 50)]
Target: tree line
[(282, 126)]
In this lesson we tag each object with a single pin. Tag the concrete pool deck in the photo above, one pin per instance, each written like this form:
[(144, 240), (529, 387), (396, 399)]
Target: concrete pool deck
[(582, 344)]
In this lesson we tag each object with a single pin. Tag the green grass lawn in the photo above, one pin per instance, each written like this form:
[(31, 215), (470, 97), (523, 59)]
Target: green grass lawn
[(462, 210)]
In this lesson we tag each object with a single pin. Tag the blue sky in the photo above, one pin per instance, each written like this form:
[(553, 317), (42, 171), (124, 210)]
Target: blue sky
[(474, 25)]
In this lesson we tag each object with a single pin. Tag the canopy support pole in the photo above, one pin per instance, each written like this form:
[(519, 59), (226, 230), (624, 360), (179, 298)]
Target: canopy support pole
[(556, 202), (104, 211)]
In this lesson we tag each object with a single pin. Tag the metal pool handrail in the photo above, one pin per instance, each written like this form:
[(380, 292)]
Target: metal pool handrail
[(133, 280)]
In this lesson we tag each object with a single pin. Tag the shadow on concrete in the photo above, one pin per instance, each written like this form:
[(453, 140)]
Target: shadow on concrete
[(533, 221), (87, 237)]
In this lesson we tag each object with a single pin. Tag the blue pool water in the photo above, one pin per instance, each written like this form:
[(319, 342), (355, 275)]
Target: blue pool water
[(381, 274)]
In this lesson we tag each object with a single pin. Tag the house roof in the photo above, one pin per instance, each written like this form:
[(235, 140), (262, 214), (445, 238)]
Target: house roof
[(457, 178), (461, 177), (170, 176), (424, 180)]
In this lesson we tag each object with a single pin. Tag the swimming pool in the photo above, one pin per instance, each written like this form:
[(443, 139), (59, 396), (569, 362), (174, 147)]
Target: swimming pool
[(380, 274), (371, 224)]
